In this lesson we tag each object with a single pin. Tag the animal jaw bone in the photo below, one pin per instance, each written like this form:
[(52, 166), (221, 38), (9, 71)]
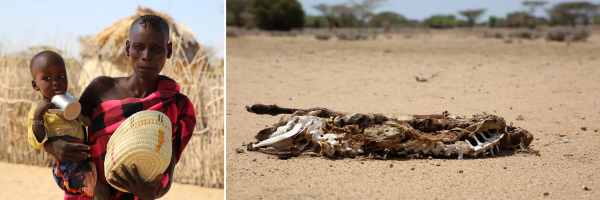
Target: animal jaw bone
[(334, 134), (284, 135)]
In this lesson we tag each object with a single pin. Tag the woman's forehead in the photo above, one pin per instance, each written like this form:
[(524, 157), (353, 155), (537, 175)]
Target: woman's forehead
[(148, 33)]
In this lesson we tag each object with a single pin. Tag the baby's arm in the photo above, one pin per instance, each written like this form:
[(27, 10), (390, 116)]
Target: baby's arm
[(39, 130)]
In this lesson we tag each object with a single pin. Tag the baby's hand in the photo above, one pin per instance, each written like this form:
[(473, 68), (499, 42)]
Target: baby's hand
[(43, 107)]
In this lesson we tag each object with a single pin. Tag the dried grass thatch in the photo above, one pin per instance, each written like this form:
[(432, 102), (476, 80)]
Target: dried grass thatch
[(109, 44), (105, 52)]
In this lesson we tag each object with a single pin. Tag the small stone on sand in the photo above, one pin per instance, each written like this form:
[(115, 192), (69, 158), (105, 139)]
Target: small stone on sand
[(412, 168), (439, 164), (254, 159), (460, 171), (430, 158), (361, 162), (546, 193), (391, 164), (585, 188), (504, 167), (239, 150)]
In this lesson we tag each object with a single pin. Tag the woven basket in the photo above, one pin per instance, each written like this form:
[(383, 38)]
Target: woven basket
[(143, 139)]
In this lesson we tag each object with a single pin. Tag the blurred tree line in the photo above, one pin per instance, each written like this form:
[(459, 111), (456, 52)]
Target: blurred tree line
[(265, 14), (288, 14)]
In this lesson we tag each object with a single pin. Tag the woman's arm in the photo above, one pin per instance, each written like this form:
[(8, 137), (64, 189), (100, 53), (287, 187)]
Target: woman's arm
[(170, 170), (90, 98), (186, 122), (67, 148)]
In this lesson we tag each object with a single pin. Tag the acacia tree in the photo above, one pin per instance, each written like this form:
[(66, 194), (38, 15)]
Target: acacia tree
[(236, 8), (386, 19), (533, 5), (472, 15), (518, 19), (364, 10), (572, 12), (326, 12), (344, 15)]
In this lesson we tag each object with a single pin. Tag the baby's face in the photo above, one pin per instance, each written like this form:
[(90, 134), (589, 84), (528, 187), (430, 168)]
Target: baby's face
[(49, 75)]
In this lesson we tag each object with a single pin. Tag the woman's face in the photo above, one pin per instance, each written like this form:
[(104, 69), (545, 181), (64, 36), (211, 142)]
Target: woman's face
[(148, 49)]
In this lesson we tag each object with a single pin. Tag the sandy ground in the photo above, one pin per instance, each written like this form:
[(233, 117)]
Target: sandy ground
[(32, 182), (554, 87)]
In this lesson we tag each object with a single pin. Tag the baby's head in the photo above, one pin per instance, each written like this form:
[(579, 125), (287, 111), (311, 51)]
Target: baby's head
[(49, 74), (148, 46)]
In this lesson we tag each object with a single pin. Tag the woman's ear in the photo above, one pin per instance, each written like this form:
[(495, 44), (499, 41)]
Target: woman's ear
[(169, 49), (35, 87), (127, 45)]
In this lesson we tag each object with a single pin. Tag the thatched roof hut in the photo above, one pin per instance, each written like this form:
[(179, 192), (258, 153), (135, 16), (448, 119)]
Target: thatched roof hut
[(104, 53)]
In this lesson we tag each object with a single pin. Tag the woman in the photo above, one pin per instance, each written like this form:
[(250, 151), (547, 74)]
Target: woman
[(108, 101)]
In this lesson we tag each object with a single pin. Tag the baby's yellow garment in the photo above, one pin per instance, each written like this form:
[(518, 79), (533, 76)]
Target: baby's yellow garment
[(55, 125)]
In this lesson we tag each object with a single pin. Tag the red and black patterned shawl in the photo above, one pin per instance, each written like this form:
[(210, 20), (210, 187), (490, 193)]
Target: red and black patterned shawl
[(110, 114)]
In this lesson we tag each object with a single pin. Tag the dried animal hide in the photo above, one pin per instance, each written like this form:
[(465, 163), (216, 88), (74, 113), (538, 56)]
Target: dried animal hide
[(320, 131)]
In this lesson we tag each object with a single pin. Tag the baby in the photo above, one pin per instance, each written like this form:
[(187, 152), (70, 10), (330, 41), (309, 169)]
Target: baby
[(50, 78)]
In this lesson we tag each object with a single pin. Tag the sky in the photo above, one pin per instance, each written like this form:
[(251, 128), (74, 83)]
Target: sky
[(27, 23), (422, 9)]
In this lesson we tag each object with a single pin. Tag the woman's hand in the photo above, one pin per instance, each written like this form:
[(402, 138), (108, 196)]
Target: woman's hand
[(67, 148), (135, 184)]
